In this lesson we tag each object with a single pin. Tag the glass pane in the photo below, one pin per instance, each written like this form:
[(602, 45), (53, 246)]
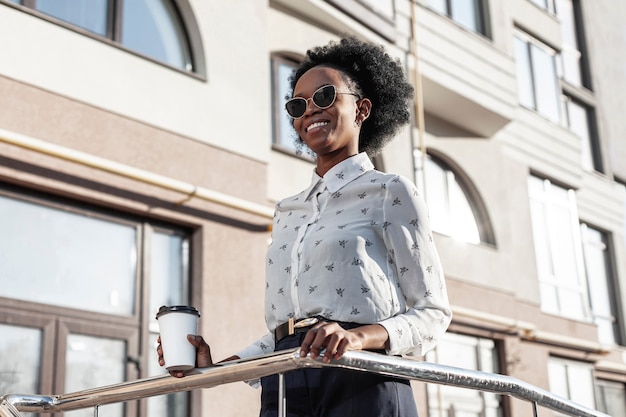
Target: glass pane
[(578, 122), (564, 246), (463, 222), (545, 83), (467, 13), (524, 77), (284, 134), (571, 52), (470, 353), (437, 197), (87, 14), (612, 398), (169, 285), (94, 362), (598, 280), (20, 359), (154, 28), (558, 378), (54, 251), (541, 240), (580, 380)]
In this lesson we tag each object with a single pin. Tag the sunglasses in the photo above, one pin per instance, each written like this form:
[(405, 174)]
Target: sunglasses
[(323, 98)]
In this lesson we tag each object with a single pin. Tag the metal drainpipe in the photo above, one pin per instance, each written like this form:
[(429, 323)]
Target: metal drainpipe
[(419, 99)]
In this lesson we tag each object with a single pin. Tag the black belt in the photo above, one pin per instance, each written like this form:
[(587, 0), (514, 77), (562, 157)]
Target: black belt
[(294, 326)]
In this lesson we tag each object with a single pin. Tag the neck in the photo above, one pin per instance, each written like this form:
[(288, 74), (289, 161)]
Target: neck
[(324, 164)]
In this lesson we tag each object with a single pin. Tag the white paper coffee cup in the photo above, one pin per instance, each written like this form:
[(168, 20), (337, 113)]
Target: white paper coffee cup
[(175, 323)]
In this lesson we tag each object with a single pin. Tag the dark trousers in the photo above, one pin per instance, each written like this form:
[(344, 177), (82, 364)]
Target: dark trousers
[(335, 392)]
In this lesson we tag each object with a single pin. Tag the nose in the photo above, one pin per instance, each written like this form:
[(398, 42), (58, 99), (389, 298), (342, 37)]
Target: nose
[(310, 104)]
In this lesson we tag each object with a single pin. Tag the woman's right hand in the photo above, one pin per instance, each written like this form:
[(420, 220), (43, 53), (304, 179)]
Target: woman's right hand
[(203, 354)]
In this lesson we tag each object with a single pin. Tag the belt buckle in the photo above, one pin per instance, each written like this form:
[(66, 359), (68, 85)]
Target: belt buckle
[(293, 325)]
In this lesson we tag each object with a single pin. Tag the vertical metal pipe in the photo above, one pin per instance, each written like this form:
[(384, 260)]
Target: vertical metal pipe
[(282, 397)]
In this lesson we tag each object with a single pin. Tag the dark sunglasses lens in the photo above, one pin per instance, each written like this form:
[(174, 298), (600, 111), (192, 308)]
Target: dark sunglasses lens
[(296, 107), (324, 97)]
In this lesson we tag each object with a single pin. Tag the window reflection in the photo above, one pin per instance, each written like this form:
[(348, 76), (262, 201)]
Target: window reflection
[(284, 136), (87, 14), (558, 249), (572, 380), (537, 82), (154, 28), (468, 13), (92, 362), (20, 359), (450, 210), (467, 352), (50, 251), (169, 265)]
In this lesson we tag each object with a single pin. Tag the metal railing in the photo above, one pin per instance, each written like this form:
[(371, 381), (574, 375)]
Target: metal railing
[(280, 362)]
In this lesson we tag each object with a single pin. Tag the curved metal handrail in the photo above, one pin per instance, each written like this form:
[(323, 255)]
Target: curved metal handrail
[(284, 361)]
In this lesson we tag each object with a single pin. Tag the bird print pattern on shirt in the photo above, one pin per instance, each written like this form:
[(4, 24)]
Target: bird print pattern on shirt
[(356, 246)]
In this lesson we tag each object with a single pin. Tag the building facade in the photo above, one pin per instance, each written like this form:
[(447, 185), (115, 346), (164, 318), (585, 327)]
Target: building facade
[(143, 146)]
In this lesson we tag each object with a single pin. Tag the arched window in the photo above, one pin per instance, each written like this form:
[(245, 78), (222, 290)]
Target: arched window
[(163, 30), (455, 208)]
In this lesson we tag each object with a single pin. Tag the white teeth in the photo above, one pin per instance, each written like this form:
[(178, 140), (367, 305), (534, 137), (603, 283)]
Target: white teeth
[(316, 124)]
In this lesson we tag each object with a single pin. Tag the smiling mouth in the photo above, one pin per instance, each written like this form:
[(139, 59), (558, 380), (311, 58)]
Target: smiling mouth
[(316, 124)]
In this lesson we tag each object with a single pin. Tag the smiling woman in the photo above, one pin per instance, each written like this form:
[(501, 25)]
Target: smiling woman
[(352, 264)]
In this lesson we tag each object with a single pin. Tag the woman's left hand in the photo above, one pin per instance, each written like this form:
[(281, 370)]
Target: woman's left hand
[(337, 341)]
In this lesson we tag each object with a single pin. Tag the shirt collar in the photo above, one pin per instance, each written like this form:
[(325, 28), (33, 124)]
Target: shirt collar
[(341, 174)]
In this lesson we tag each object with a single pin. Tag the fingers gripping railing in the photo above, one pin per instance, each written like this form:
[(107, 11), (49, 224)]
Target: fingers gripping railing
[(288, 360)]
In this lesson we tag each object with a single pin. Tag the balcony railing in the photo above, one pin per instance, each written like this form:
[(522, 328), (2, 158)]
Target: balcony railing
[(280, 362)]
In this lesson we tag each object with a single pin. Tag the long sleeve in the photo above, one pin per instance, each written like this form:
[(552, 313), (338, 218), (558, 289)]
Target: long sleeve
[(412, 253)]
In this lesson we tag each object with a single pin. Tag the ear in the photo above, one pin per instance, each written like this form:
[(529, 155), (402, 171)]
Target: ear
[(364, 107)]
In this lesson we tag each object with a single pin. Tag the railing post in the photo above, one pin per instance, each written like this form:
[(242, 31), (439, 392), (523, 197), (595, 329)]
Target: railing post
[(282, 397)]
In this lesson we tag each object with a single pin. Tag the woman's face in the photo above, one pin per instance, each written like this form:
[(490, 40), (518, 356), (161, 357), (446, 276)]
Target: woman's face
[(332, 132)]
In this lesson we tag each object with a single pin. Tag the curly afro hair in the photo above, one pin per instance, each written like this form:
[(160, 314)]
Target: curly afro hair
[(371, 73)]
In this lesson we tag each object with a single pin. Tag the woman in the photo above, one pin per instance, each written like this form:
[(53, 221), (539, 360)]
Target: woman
[(352, 264)]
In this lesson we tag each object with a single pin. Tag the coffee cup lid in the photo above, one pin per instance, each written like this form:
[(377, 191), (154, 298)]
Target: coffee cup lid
[(177, 309)]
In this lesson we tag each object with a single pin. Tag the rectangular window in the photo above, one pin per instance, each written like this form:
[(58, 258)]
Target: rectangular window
[(581, 120), (537, 81), (558, 249), (95, 273), (571, 59), (284, 137), (471, 14), (468, 352), (603, 288), (611, 397), (572, 380)]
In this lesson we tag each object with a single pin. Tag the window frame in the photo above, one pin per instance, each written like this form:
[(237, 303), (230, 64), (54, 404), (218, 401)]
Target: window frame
[(57, 322), (548, 202), (530, 42), (277, 109), (593, 139), (184, 13), (612, 283), (498, 364), (486, 233), (482, 13)]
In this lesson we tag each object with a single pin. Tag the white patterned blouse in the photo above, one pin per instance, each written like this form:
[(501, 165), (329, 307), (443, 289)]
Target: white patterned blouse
[(356, 246)]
